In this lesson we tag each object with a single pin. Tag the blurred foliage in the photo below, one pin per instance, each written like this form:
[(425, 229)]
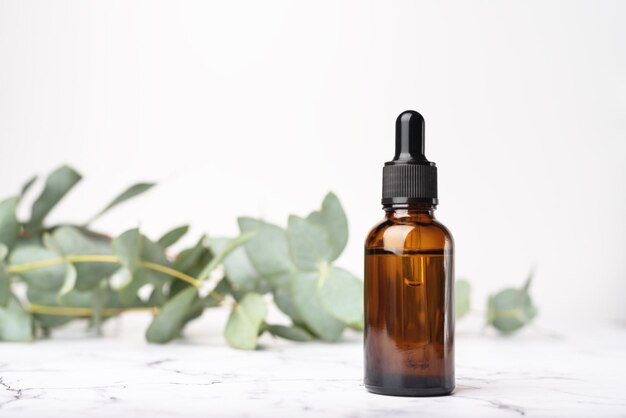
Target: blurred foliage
[(68, 271), (508, 311)]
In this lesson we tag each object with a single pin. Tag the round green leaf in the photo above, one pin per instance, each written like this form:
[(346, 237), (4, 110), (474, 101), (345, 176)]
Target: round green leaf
[(268, 249), (284, 301), (306, 299), (244, 323), (45, 278), (510, 310), (127, 247), (15, 323), (342, 295), (239, 270), (72, 241), (334, 221), (309, 244)]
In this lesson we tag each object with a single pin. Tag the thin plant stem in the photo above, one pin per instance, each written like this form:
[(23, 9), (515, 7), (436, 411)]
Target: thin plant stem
[(171, 272), (102, 258), (18, 268), (86, 312)]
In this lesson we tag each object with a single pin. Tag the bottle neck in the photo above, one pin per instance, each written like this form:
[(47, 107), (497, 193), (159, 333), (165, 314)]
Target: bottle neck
[(422, 211)]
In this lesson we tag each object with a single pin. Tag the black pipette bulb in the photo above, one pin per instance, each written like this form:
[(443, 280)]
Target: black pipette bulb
[(409, 177), (410, 137)]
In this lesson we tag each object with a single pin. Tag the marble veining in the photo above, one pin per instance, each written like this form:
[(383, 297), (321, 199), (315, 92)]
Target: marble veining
[(575, 373)]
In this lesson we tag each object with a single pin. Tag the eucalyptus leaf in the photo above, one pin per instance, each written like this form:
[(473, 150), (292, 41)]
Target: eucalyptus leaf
[(9, 225), (15, 323), (511, 309), (341, 295), (309, 244), (231, 246), (58, 184), (157, 296), (70, 280), (333, 220), (239, 270), (5, 290), (127, 247), (98, 302), (306, 298), (51, 298), (190, 259), (154, 253), (74, 298), (244, 323), (73, 241), (128, 293), (127, 194), (168, 323), (141, 276), (283, 298), (208, 301), (45, 278), (50, 243), (293, 333), (173, 236), (282, 280), (268, 249), (5, 280), (26, 187), (461, 298)]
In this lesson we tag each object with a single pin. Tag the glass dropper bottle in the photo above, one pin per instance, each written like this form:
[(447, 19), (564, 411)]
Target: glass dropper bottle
[(409, 278)]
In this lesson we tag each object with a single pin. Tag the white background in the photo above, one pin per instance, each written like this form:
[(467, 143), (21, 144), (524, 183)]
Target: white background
[(260, 107)]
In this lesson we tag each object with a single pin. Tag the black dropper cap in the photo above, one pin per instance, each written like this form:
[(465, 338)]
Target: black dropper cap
[(409, 177)]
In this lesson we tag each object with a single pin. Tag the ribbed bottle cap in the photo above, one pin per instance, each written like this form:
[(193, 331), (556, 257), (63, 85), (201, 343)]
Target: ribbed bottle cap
[(409, 177)]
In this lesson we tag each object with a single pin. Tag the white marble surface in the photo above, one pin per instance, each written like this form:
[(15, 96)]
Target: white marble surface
[(579, 372)]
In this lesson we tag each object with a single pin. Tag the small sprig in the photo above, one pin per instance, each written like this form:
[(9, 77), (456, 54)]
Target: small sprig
[(508, 311)]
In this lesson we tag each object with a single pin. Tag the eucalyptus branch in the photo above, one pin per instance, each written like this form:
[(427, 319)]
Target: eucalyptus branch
[(292, 266)]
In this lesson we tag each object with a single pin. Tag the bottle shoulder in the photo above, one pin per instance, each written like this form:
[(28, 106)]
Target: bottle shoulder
[(398, 235)]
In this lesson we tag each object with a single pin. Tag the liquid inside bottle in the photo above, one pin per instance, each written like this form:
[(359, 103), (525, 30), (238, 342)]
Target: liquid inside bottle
[(409, 334)]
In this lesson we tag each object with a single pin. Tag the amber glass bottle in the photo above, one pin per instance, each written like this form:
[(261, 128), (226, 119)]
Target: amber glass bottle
[(409, 278)]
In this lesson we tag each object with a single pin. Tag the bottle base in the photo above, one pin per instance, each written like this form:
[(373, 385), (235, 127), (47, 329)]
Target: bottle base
[(408, 385), (409, 392)]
